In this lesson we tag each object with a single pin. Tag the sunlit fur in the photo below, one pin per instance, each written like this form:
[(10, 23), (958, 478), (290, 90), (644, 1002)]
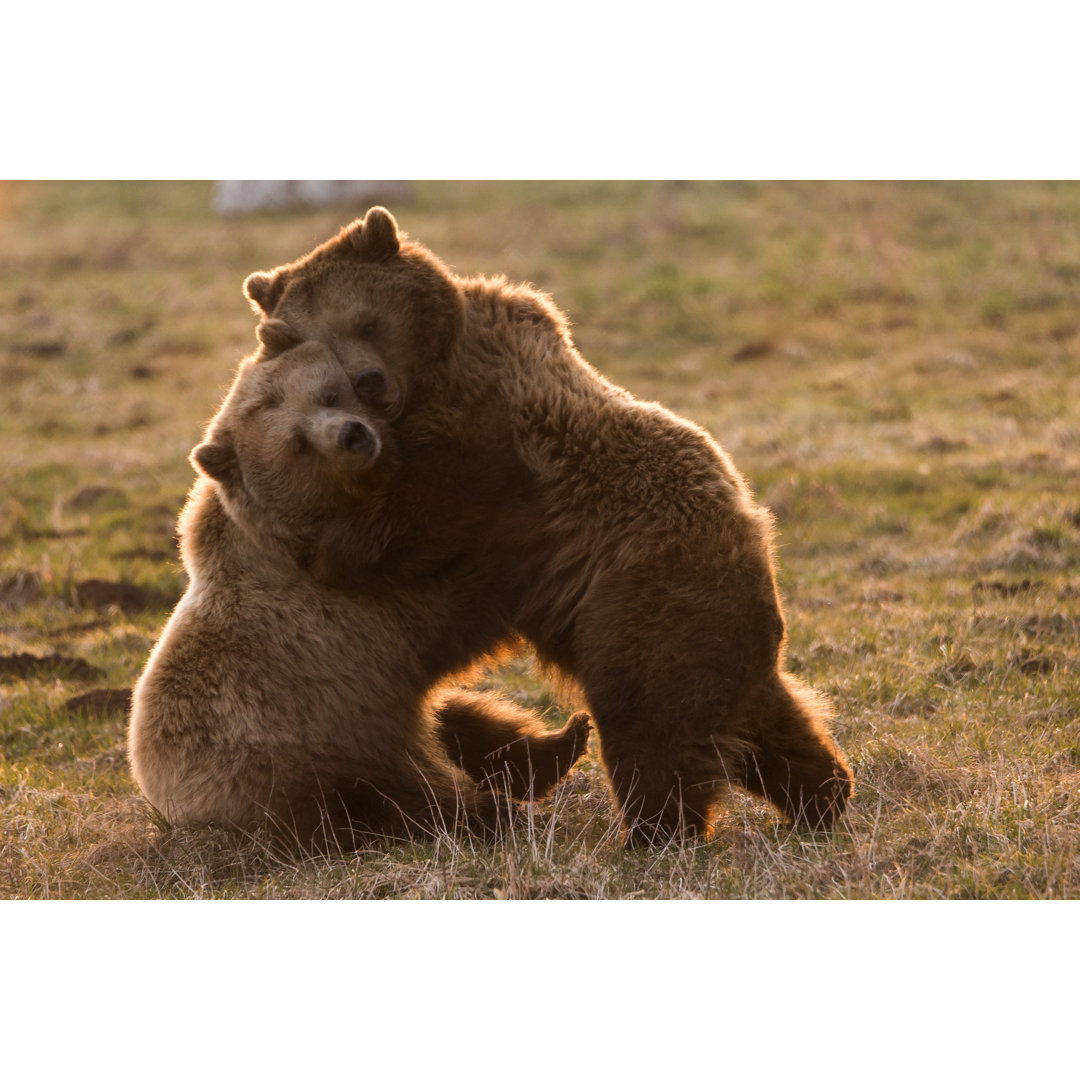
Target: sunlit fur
[(274, 696), (617, 537)]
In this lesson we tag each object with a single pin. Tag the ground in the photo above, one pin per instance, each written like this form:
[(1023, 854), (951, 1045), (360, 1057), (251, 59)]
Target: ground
[(895, 367)]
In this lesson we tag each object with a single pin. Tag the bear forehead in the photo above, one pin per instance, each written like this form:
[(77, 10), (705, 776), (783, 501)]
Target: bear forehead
[(338, 263), (306, 356), (328, 289), (332, 261), (304, 369)]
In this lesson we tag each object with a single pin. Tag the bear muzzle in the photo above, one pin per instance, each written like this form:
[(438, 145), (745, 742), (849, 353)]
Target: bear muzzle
[(356, 437), (372, 388)]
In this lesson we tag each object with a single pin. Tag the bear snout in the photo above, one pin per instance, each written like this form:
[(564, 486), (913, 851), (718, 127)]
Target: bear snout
[(372, 388), (355, 436)]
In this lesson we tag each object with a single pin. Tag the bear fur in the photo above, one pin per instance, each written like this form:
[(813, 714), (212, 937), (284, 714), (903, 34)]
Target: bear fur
[(274, 696), (617, 537)]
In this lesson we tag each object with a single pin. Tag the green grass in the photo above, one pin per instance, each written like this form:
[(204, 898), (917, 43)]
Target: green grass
[(896, 368)]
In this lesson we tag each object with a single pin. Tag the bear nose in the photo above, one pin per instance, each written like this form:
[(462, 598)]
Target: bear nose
[(355, 435), (370, 386)]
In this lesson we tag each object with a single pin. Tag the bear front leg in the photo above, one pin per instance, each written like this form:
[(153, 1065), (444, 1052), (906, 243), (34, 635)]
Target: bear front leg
[(494, 740)]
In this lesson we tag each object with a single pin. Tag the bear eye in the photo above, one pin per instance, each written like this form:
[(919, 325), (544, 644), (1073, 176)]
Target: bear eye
[(365, 326), (329, 399), (300, 444)]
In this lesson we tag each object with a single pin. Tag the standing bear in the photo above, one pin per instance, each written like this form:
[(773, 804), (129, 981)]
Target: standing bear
[(617, 537), (277, 697)]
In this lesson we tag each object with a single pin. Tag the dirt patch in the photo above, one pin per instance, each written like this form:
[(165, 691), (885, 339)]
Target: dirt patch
[(97, 496), (1005, 588), (66, 631), (27, 666), (938, 444), (1032, 663), (52, 534), (128, 335), (42, 348), (101, 702), (103, 595), (753, 350), (149, 554)]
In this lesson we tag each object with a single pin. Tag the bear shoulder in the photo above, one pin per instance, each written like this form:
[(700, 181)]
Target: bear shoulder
[(204, 529)]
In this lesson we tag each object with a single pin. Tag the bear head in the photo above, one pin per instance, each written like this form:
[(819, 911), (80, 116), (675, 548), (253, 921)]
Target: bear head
[(292, 446), (387, 308)]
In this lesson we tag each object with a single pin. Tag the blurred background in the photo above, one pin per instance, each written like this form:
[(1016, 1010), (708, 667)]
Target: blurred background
[(811, 326)]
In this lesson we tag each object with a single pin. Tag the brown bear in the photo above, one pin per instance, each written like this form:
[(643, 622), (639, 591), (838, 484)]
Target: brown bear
[(617, 537), (276, 697)]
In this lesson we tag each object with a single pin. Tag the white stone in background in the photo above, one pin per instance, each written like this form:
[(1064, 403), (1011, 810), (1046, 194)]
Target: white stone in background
[(247, 196)]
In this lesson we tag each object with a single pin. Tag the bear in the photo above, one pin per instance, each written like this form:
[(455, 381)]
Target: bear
[(275, 698), (617, 538)]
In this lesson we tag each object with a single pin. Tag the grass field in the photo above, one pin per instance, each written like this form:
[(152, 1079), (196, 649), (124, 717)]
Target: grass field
[(895, 367)]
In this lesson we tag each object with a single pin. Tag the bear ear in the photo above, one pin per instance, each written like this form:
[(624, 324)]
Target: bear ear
[(276, 336), (376, 237), (264, 291), (216, 458)]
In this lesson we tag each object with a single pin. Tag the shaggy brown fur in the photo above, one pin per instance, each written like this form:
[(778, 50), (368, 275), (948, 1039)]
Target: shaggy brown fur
[(274, 696), (616, 536)]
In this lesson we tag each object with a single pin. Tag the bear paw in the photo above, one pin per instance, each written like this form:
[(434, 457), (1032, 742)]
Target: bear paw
[(576, 734)]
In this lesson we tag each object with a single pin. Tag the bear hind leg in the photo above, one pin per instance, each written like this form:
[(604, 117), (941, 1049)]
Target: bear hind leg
[(494, 740), (793, 760), (345, 813)]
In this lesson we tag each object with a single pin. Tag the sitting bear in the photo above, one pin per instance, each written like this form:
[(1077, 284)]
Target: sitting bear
[(617, 537), (274, 696)]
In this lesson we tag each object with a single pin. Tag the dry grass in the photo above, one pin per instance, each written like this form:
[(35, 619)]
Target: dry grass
[(896, 368)]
